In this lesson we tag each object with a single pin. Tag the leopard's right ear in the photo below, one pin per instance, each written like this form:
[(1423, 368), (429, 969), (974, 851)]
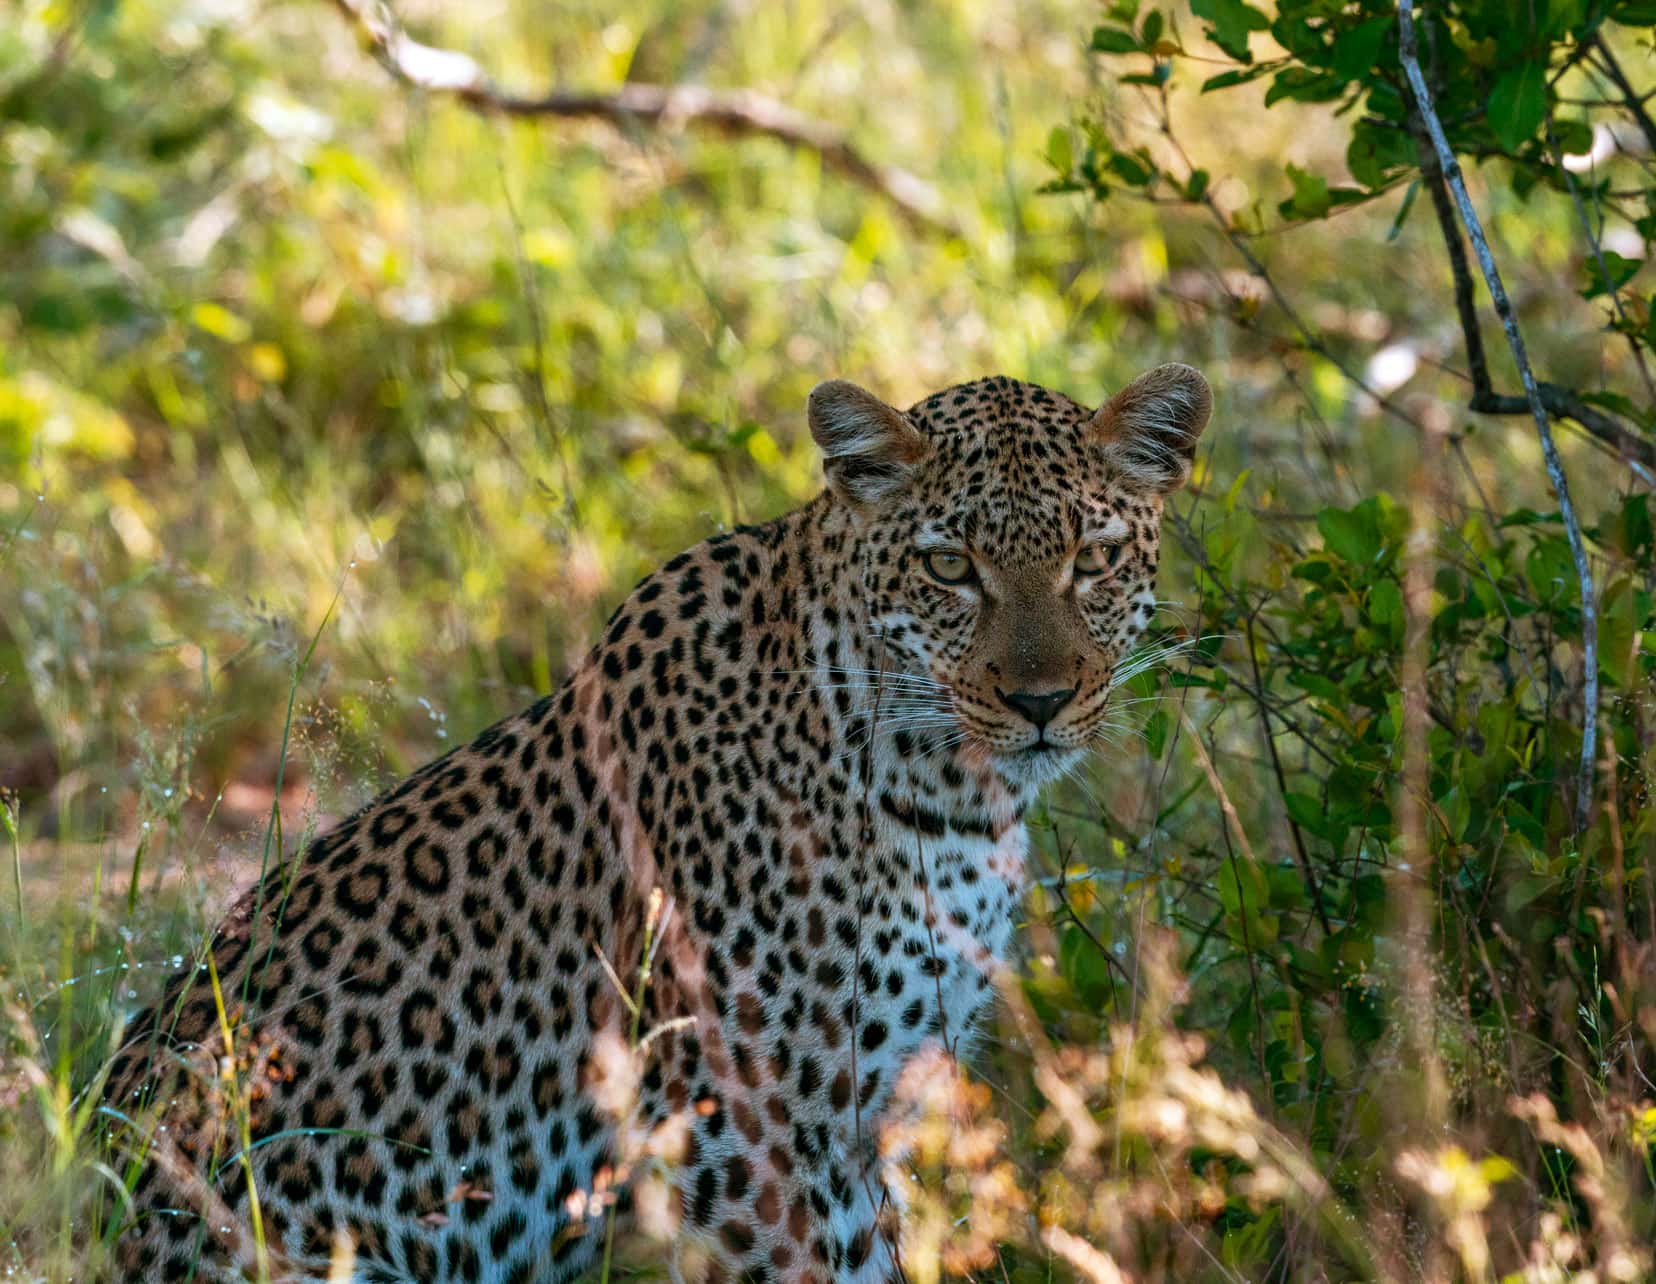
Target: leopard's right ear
[(1148, 430), (869, 449)]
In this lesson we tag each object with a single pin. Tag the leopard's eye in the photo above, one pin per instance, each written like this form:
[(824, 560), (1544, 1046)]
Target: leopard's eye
[(1095, 559), (947, 566)]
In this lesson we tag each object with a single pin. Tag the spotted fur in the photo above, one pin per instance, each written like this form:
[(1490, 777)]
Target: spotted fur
[(814, 750)]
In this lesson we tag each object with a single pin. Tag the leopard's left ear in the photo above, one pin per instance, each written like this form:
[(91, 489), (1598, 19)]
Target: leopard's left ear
[(869, 449), (1148, 430)]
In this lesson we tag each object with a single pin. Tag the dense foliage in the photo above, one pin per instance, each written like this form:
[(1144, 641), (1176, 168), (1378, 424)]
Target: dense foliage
[(334, 415)]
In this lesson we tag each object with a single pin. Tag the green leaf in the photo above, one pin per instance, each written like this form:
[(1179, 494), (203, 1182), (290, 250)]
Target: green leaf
[(1526, 516), (1638, 536), (1231, 21), (1059, 153), (1151, 31), (1109, 40), (1618, 623), (1317, 685), (1456, 809), (1306, 812), (1244, 894), (1351, 534), (1130, 169), (1619, 402), (1518, 104), (1575, 137), (1310, 198), (1403, 211), (1364, 1021), (1385, 607), (1620, 270), (1561, 16), (1526, 889), (220, 322), (1155, 733), (1550, 569), (1240, 76), (1285, 887), (1297, 84), (1375, 154), (1085, 968), (1358, 49)]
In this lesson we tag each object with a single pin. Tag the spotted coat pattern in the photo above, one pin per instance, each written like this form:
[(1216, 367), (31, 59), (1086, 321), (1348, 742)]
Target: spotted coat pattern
[(813, 747)]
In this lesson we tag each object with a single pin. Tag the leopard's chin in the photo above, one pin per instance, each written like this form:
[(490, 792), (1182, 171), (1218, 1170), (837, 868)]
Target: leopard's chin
[(1037, 764)]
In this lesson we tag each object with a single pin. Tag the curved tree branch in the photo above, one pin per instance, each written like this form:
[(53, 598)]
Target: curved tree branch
[(736, 112)]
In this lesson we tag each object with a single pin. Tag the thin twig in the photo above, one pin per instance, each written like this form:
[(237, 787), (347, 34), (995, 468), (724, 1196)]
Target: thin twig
[(1282, 786), (1537, 407), (1631, 98), (1061, 886), (741, 112)]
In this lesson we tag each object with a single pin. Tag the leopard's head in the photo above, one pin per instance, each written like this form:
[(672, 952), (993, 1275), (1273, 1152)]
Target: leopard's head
[(1009, 539)]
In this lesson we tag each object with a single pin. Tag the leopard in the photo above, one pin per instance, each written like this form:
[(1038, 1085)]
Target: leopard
[(658, 947)]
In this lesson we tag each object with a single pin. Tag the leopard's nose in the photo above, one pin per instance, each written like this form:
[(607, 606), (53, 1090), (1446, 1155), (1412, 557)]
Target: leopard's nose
[(1040, 707)]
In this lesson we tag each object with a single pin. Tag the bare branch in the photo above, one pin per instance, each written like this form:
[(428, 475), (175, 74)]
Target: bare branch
[(1532, 396), (1638, 453), (1466, 308), (735, 112)]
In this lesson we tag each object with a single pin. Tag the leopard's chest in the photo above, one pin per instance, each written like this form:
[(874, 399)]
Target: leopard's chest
[(954, 930)]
